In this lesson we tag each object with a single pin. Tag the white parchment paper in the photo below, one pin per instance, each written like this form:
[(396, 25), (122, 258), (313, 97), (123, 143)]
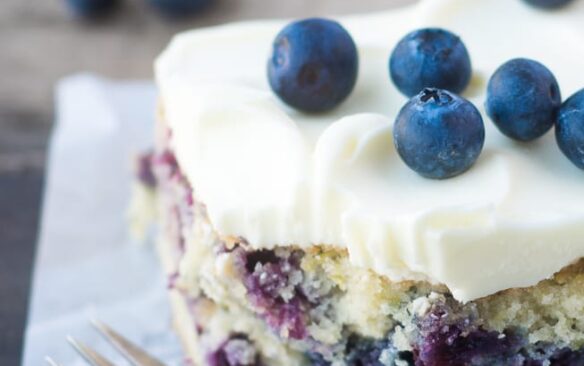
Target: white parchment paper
[(87, 267)]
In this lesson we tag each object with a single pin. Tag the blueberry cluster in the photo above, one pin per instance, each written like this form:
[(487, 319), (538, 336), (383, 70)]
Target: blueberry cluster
[(438, 134), (94, 9)]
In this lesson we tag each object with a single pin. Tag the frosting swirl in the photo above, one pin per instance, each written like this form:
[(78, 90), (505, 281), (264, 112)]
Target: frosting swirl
[(279, 177)]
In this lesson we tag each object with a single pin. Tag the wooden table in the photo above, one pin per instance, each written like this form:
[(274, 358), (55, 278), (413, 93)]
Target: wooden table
[(39, 44)]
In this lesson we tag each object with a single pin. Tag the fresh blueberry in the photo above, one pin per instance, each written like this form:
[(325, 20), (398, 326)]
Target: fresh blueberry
[(430, 58), (570, 129), (523, 99), (314, 64), (179, 8), (439, 134), (92, 8), (548, 4)]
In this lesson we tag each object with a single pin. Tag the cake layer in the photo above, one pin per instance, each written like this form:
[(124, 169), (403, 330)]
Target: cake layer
[(278, 177), (237, 306)]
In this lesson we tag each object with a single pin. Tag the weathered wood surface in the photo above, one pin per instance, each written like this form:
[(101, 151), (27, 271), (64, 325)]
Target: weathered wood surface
[(40, 43)]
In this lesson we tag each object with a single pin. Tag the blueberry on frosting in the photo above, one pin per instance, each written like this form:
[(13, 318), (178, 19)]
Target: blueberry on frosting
[(314, 64), (548, 4), (439, 134), (570, 129), (523, 98), (430, 57)]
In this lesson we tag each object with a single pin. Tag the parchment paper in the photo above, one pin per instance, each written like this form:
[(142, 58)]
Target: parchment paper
[(87, 266)]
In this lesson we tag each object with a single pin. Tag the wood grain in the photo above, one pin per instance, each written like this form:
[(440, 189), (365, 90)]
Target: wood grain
[(41, 43)]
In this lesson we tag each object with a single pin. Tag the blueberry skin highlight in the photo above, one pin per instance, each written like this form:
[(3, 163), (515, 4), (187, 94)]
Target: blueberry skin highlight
[(439, 134), (314, 65), (523, 99), (179, 8), (548, 4), (430, 58), (570, 129), (91, 9)]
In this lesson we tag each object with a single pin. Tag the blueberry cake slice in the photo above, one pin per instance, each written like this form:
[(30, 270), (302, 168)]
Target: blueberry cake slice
[(298, 239), (236, 305)]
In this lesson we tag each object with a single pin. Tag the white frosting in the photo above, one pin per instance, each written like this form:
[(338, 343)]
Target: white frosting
[(278, 177)]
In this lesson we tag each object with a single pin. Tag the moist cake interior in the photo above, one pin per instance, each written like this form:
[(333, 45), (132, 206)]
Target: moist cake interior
[(236, 306)]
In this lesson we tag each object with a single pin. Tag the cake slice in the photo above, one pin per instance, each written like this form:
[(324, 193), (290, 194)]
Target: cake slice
[(295, 239)]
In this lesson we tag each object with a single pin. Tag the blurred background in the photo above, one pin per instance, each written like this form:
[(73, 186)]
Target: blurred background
[(42, 41)]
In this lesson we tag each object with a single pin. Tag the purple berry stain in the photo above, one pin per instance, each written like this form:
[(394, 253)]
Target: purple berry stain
[(273, 284), (238, 350), (145, 172)]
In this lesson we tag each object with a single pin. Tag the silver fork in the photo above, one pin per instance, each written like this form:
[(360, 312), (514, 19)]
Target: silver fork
[(134, 354)]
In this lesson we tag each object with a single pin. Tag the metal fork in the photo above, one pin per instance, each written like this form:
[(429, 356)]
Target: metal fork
[(134, 354)]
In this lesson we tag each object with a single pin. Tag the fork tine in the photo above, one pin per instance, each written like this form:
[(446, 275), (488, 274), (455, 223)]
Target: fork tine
[(133, 353), (90, 355), (51, 362)]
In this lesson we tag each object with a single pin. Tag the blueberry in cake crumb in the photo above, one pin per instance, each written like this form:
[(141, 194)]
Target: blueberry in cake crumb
[(446, 341), (272, 282), (523, 99), (567, 357), (570, 129), (430, 57), (144, 173), (314, 64), (92, 8), (316, 359), (439, 134), (452, 334), (179, 8), (235, 351), (360, 351), (365, 352), (548, 4)]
